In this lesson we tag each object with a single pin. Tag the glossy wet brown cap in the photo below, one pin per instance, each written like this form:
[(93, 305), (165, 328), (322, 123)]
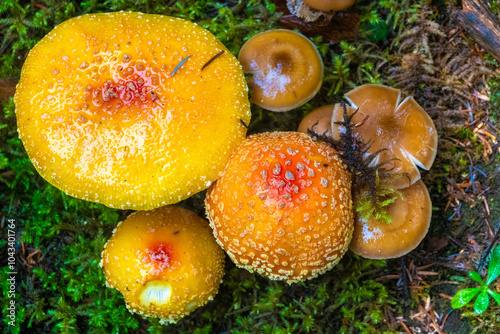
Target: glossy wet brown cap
[(165, 262), (282, 207), (410, 220), (106, 113), (403, 128), (286, 69), (319, 120), (328, 5)]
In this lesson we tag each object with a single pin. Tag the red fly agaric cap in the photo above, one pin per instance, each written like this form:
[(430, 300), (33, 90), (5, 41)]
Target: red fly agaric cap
[(165, 262), (119, 108), (319, 120), (328, 5), (410, 217), (286, 67), (283, 206), (403, 128)]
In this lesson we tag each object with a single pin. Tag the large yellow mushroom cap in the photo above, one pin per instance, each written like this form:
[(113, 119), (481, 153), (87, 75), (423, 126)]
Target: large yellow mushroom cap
[(165, 262), (107, 115)]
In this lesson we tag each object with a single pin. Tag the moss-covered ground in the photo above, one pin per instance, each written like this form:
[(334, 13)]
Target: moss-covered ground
[(416, 46)]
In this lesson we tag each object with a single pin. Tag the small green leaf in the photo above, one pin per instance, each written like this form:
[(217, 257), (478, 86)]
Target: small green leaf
[(476, 277), (494, 268), (463, 297), (495, 295), (482, 302)]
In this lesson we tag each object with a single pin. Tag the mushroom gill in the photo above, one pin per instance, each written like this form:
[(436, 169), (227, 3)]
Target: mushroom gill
[(403, 130)]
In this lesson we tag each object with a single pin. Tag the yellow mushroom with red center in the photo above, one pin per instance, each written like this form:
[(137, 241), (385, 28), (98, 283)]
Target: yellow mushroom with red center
[(282, 207), (117, 108), (286, 69), (165, 262)]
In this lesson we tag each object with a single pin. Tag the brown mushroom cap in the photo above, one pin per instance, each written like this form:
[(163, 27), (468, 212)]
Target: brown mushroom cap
[(319, 120), (286, 67), (106, 113), (328, 5), (403, 128), (283, 206), (410, 220), (165, 262)]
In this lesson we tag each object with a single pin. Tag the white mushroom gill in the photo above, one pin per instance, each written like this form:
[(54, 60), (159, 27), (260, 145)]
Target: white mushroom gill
[(156, 292)]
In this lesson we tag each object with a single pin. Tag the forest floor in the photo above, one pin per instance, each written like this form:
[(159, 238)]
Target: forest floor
[(420, 47)]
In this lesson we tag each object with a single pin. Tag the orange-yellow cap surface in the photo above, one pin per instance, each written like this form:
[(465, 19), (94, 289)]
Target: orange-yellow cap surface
[(107, 115), (283, 206), (286, 69), (403, 128), (410, 219), (165, 262)]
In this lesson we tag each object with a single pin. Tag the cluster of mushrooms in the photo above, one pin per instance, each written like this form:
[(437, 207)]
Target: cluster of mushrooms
[(140, 111)]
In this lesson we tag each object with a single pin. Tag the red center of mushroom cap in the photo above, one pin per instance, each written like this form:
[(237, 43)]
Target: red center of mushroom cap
[(133, 83), (160, 255), (283, 178)]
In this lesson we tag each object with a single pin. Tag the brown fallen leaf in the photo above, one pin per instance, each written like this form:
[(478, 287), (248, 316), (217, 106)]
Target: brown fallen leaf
[(340, 26)]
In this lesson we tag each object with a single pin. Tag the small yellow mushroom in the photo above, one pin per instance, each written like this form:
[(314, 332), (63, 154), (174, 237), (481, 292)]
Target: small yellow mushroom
[(165, 262)]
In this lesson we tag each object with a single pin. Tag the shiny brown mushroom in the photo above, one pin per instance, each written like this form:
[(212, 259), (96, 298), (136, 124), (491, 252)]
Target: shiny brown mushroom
[(402, 128), (410, 217), (286, 69), (319, 120), (328, 5)]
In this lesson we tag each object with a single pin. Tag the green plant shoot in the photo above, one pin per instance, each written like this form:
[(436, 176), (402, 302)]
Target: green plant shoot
[(464, 296)]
